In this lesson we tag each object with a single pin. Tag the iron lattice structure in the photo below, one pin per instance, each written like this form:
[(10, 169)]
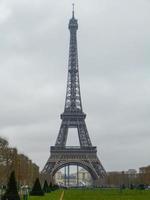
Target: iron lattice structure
[(73, 117)]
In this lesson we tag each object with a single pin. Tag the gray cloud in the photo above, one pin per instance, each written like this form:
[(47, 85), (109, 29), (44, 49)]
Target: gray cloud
[(114, 45)]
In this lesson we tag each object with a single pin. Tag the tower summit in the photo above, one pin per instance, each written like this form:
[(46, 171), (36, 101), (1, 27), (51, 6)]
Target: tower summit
[(73, 116)]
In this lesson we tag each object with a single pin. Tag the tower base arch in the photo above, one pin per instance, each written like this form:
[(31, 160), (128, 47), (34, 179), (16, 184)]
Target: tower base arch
[(85, 157)]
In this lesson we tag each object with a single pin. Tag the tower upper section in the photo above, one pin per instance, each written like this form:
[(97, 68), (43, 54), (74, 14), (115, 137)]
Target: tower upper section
[(73, 103)]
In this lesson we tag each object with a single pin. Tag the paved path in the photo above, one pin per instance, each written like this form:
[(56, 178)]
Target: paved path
[(62, 195)]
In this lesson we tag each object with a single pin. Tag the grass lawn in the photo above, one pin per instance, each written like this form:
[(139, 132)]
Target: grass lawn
[(96, 194), (50, 196)]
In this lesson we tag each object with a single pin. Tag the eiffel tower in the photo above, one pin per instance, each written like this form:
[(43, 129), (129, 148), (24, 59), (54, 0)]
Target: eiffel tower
[(73, 116)]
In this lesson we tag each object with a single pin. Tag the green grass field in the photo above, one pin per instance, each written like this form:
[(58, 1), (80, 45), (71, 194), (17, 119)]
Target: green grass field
[(50, 196), (96, 194)]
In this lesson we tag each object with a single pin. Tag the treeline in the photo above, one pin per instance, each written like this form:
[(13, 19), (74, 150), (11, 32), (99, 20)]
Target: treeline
[(10, 160), (144, 175), (116, 179)]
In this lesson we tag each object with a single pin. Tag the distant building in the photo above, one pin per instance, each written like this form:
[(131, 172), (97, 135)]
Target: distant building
[(132, 173), (118, 178), (84, 178)]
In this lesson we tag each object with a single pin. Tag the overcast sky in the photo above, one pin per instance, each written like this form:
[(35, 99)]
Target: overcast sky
[(114, 61)]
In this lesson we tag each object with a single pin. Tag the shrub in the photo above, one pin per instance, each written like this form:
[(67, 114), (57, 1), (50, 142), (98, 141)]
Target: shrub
[(11, 191), (45, 187), (37, 190)]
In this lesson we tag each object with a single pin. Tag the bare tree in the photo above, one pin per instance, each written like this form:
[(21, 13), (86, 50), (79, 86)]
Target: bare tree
[(26, 171)]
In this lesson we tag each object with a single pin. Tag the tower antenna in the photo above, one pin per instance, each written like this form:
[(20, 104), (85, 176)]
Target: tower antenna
[(73, 10)]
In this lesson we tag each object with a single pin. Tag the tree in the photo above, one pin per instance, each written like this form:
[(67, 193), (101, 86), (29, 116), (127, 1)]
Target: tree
[(11, 191), (37, 190), (45, 187), (25, 170), (6, 160)]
